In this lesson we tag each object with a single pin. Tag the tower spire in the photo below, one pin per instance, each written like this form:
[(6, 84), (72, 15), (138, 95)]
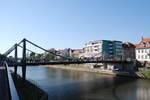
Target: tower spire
[(142, 38)]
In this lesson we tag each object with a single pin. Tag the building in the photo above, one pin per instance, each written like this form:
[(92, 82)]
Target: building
[(64, 52), (128, 51), (46, 55), (76, 53), (50, 50), (105, 48), (143, 50)]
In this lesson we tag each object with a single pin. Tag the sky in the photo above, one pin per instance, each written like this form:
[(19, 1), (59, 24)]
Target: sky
[(71, 23)]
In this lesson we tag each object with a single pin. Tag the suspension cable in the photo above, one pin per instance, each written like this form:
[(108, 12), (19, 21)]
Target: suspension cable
[(9, 50), (46, 50), (28, 50)]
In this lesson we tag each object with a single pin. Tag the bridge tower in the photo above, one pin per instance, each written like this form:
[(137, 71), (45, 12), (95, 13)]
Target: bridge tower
[(24, 60), (16, 59)]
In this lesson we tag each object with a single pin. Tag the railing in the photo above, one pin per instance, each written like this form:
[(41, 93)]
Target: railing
[(98, 59), (12, 89)]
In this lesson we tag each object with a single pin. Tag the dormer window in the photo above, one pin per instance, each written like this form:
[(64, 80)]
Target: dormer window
[(143, 44), (147, 44)]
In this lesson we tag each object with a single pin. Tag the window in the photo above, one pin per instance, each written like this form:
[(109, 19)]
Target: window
[(142, 51), (138, 51), (142, 57), (96, 49), (145, 56), (149, 44), (138, 56)]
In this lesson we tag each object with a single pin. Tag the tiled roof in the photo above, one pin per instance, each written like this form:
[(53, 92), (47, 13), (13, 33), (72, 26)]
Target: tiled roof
[(128, 45), (145, 43), (137, 45), (146, 40)]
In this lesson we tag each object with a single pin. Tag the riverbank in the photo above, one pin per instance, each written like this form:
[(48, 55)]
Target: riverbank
[(96, 70), (146, 72)]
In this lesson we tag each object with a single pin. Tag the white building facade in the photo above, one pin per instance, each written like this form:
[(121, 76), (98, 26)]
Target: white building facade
[(143, 54), (143, 50), (93, 48), (103, 48)]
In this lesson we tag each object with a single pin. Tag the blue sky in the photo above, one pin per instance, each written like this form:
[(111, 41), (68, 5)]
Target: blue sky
[(72, 23)]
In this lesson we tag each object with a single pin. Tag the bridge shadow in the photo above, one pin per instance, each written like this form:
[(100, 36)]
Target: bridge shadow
[(28, 91)]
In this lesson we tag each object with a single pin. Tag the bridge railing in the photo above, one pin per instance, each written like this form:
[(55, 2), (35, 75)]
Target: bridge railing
[(12, 90), (100, 59)]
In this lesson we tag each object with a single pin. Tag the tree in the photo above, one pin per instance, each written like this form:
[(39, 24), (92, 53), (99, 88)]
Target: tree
[(32, 55), (73, 55), (49, 56), (38, 56)]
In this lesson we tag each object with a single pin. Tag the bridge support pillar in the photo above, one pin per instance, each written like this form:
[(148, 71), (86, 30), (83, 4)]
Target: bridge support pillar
[(24, 72), (24, 60), (16, 59), (105, 65)]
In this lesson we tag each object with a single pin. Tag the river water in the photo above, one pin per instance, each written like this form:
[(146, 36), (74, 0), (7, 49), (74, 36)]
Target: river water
[(73, 85)]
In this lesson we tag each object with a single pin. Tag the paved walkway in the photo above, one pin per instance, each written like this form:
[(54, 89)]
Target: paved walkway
[(4, 94)]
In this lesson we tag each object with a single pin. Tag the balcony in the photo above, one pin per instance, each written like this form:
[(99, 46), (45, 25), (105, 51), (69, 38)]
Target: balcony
[(111, 48)]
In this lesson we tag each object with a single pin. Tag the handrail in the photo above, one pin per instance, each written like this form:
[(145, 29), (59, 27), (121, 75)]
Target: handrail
[(12, 88)]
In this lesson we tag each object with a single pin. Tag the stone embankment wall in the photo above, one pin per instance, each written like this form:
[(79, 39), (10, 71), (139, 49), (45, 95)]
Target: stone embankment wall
[(84, 68), (88, 68)]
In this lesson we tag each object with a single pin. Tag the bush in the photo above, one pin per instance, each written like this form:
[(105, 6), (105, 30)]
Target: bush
[(147, 74)]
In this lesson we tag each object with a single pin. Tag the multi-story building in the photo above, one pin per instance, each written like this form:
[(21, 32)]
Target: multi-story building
[(143, 50), (75, 53), (128, 51), (70, 53), (103, 48), (64, 52)]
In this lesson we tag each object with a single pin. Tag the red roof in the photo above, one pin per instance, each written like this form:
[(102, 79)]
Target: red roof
[(146, 40), (145, 43), (77, 51), (137, 45), (128, 45)]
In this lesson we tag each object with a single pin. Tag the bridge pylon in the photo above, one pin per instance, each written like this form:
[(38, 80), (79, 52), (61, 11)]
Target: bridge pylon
[(16, 59), (24, 60)]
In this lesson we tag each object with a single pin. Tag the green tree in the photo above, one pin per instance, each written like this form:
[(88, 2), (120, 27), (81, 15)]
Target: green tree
[(49, 56), (32, 55), (38, 56), (73, 55)]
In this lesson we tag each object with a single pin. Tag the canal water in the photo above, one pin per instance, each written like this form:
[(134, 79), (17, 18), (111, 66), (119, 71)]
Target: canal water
[(73, 85)]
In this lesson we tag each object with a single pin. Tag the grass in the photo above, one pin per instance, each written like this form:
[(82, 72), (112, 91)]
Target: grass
[(147, 73), (148, 67)]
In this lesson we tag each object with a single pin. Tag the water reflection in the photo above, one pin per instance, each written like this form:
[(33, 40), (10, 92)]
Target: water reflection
[(73, 85)]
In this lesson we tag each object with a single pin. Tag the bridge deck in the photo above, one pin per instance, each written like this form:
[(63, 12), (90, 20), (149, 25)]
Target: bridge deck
[(35, 63), (4, 93)]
